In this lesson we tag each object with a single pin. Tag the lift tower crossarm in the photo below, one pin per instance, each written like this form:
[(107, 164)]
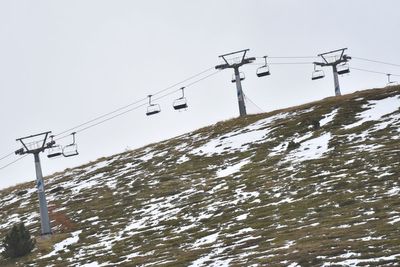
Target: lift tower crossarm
[(229, 54), (243, 61), (333, 51), (343, 59), (233, 65), (28, 150), (322, 64)]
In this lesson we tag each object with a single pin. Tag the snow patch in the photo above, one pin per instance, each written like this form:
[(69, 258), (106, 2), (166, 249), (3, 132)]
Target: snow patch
[(240, 139), (310, 149), (394, 191), (220, 263), (206, 240), (356, 262), (242, 217), (64, 244), (232, 169), (328, 118), (230, 142), (182, 159), (86, 184), (395, 219), (377, 109)]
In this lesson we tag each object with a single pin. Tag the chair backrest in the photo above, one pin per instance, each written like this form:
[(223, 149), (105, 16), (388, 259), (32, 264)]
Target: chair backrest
[(343, 68), (317, 74), (180, 103), (153, 109), (70, 150), (55, 151), (263, 71)]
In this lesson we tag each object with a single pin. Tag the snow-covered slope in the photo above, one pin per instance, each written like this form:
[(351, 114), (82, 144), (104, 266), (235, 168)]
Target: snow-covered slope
[(314, 185)]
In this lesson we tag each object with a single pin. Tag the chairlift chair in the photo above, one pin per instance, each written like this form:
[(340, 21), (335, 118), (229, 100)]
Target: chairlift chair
[(152, 108), (180, 103), (71, 149), (390, 82), (241, 75), (343, 68), (54, 150), (317, 74), (263, 70)]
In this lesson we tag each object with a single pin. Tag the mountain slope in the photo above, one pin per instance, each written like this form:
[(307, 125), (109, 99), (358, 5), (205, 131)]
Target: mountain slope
[(314, 185)]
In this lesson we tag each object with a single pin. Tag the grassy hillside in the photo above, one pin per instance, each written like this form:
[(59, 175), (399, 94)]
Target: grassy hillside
[(313, 185)]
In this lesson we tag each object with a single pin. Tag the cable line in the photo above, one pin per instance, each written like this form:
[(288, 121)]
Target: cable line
[(205, 77), (291, 63), (139, 106), (187, 79), (6, 156), (283, 63), (131, 104), (110, 118), (140, 102), (252, 102), (144, 104), (293, 57), (376, 72), (99, 117), (18, 159), (120, 109), (376, 61)]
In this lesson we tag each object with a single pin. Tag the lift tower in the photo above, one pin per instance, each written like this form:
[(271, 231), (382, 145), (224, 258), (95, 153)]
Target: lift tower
[(237, 79), (35, 148), (339, 61)]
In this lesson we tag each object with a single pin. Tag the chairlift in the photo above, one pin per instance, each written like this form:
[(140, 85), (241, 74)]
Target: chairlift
[(152, 108), (391, 83), (241, 75), (71, 149), (343, 68), (317, 74), (180, 103), (54, 150), (263, 70)]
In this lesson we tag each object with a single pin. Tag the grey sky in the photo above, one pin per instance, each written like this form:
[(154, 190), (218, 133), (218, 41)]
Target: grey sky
[(65, 62)]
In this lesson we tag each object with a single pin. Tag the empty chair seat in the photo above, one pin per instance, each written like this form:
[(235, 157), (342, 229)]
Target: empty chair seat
[(71, 149), (180, 103), (55, 151), (343, 68), (317, 74), (263, 70), (152, 108)]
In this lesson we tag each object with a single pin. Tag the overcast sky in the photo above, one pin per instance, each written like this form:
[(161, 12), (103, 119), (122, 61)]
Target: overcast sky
[(63, 63)]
